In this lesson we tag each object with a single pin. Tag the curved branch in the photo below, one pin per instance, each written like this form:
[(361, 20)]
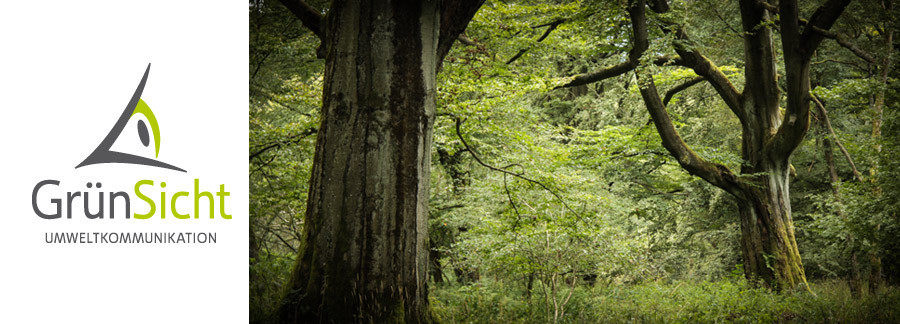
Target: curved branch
[(679, 88), (550, 28), (512, 202), (845, 43), (519, 175), (290, 139), (639, 45), (587, 78), (455, 16), (689, 58), (821, 20), (310, 18), (701, 65), (798, 49), (466, 40), (714, 173), (704, 67), (616, 70)]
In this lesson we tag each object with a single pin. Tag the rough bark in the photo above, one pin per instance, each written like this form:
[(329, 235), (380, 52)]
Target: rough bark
[(769, 137), (768, 245), (364, 255)]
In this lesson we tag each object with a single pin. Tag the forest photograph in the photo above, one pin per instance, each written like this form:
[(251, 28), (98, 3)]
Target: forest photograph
[(574, 161)]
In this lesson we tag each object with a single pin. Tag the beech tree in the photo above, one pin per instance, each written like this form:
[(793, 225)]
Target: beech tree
[(363, 257), (548, 206), (772, 124)]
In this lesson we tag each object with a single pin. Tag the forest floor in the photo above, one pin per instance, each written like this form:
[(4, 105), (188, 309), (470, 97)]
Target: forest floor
[(724, 301)]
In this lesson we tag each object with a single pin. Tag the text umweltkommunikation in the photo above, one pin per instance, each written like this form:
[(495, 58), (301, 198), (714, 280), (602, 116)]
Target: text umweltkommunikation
[(129, 237)]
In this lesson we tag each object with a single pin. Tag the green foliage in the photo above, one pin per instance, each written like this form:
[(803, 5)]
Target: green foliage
[(269, 273), (285, 92), (723, 301)]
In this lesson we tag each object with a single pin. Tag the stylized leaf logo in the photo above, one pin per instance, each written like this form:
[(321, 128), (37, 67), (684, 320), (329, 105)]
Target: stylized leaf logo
[(103, 154)]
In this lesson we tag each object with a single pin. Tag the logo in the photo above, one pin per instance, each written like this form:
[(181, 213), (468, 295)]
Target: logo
[(178, 199), (104, 154)]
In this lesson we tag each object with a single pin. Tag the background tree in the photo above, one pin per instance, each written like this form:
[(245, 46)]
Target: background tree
[(769, 136)]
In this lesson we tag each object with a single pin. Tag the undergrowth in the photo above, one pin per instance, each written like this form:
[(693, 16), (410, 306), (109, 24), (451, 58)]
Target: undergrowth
[(724, 301)]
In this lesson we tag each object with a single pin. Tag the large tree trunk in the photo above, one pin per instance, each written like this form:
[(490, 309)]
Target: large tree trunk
[(364, 255), (768, 245)]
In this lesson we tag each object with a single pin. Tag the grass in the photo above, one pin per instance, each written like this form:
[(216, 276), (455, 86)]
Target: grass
[(724, 301)]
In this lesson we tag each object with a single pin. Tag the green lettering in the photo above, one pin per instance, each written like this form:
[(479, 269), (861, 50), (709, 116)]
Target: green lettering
[(222, 194), (197, 195), (162, 201), (175, 211), (137, 191)]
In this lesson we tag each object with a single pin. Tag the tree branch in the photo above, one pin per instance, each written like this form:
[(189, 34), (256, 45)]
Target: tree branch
[(701, 65), (714, 173), (609, 72), (550, 28), (455, 16), (466, 40), (798, 49), (681, 87), (519, 175), (822, 20), (639, 45), (821, 108), (760, 69), (853, 64), (845, 43), (290, 139), (310, 18), (614, 71), (707, 69), (689, 58)]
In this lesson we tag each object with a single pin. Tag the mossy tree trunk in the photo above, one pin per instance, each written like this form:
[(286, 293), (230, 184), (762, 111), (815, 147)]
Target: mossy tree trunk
[(768, 246), (363, 257), (769, 135)]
